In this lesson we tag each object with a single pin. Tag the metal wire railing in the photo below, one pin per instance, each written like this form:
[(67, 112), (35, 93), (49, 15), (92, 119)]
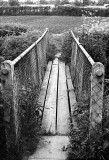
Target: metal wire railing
[(20, 77), (88, 79)]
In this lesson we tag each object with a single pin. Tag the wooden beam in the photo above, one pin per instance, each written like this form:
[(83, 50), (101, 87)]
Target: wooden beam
[(49, 116), (44, 86), (63, 107), (72, 96)]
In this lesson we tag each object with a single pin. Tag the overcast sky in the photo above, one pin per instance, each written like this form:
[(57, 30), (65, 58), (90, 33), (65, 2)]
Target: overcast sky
[(69, 0), (48, 0)]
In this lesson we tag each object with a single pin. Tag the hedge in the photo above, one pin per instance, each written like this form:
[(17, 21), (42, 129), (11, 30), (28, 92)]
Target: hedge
[(59, 10)]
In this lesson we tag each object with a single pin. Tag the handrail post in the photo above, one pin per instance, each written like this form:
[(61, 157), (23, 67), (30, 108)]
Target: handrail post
[(96, 102), (10, 116)]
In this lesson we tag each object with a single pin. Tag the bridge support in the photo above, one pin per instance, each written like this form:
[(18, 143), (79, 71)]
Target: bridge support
[(96, 102), (10, 111)]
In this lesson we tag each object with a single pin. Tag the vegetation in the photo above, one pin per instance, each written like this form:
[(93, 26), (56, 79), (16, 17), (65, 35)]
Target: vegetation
[(60, 10), (43, 2), (14, 3), (95, 40), (14, 39)]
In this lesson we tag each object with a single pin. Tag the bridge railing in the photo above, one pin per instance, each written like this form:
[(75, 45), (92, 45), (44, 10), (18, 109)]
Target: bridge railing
[(20, 77), (88, 79)]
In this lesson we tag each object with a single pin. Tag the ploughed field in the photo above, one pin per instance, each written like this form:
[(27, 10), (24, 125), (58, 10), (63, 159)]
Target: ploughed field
[(56, 24)]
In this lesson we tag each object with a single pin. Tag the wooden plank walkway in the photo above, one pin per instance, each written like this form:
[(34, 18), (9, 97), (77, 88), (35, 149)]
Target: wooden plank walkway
[(63, 107), (57, 99), (49, 116)]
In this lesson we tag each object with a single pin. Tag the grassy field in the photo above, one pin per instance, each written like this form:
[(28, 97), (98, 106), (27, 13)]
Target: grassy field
[(56, 24)]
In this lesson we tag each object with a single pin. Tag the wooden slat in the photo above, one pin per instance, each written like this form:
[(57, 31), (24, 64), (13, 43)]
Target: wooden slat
[(72, 96), (55, 62), (53, 148), (62, 108), (43, 91), (49, 116)]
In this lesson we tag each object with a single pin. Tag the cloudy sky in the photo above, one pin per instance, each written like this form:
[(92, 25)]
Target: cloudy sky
[(69, 0)]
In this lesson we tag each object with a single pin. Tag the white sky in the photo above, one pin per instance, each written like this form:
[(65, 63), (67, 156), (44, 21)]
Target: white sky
[(48, 0)]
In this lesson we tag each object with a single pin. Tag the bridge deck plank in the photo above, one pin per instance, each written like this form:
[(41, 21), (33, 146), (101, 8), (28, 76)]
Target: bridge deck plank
[(44, 86), (72, 96), (49, 115), (56, 115), (63, 107)]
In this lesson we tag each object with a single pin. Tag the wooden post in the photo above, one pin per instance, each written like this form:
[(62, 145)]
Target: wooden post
[(10, 113), (96, 101)]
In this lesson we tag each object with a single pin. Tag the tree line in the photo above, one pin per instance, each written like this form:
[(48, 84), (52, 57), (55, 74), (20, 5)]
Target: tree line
[(55, 2)]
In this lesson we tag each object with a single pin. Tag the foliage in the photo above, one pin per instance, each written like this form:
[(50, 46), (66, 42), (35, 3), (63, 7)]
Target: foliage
[(85, 2), (57, 2), (29, 120), (12, 29), (3, 3), (64, 2), (96, 44), (13, 43), (16, 40), (29, 2), (57, 10), (51, 52), (14, 3), (66, 48), (81, 147), (43, 2), (77, 3)]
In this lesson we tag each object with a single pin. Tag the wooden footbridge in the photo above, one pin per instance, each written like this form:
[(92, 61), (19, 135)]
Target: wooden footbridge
[(62, 86)]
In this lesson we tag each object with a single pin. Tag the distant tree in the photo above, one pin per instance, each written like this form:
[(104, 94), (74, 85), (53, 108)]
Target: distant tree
[(64, 2), (3, 3), (100, 2), (85, 2), (29, 2), (105, 1), (43, 2), (57, 2), (52, 1), (78, 3), (14, 3)]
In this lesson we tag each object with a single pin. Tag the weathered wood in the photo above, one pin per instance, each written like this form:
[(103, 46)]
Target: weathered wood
[(49, 116), (62, 108), (55, 62), (52, 148), (72, 96), (44, 86)]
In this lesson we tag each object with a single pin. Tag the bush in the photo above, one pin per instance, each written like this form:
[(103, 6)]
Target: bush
[(13, 45), (30, 121), (66, 48), (14, 3), (81, 147), (96, 44), (12, 29), (58, 10)]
